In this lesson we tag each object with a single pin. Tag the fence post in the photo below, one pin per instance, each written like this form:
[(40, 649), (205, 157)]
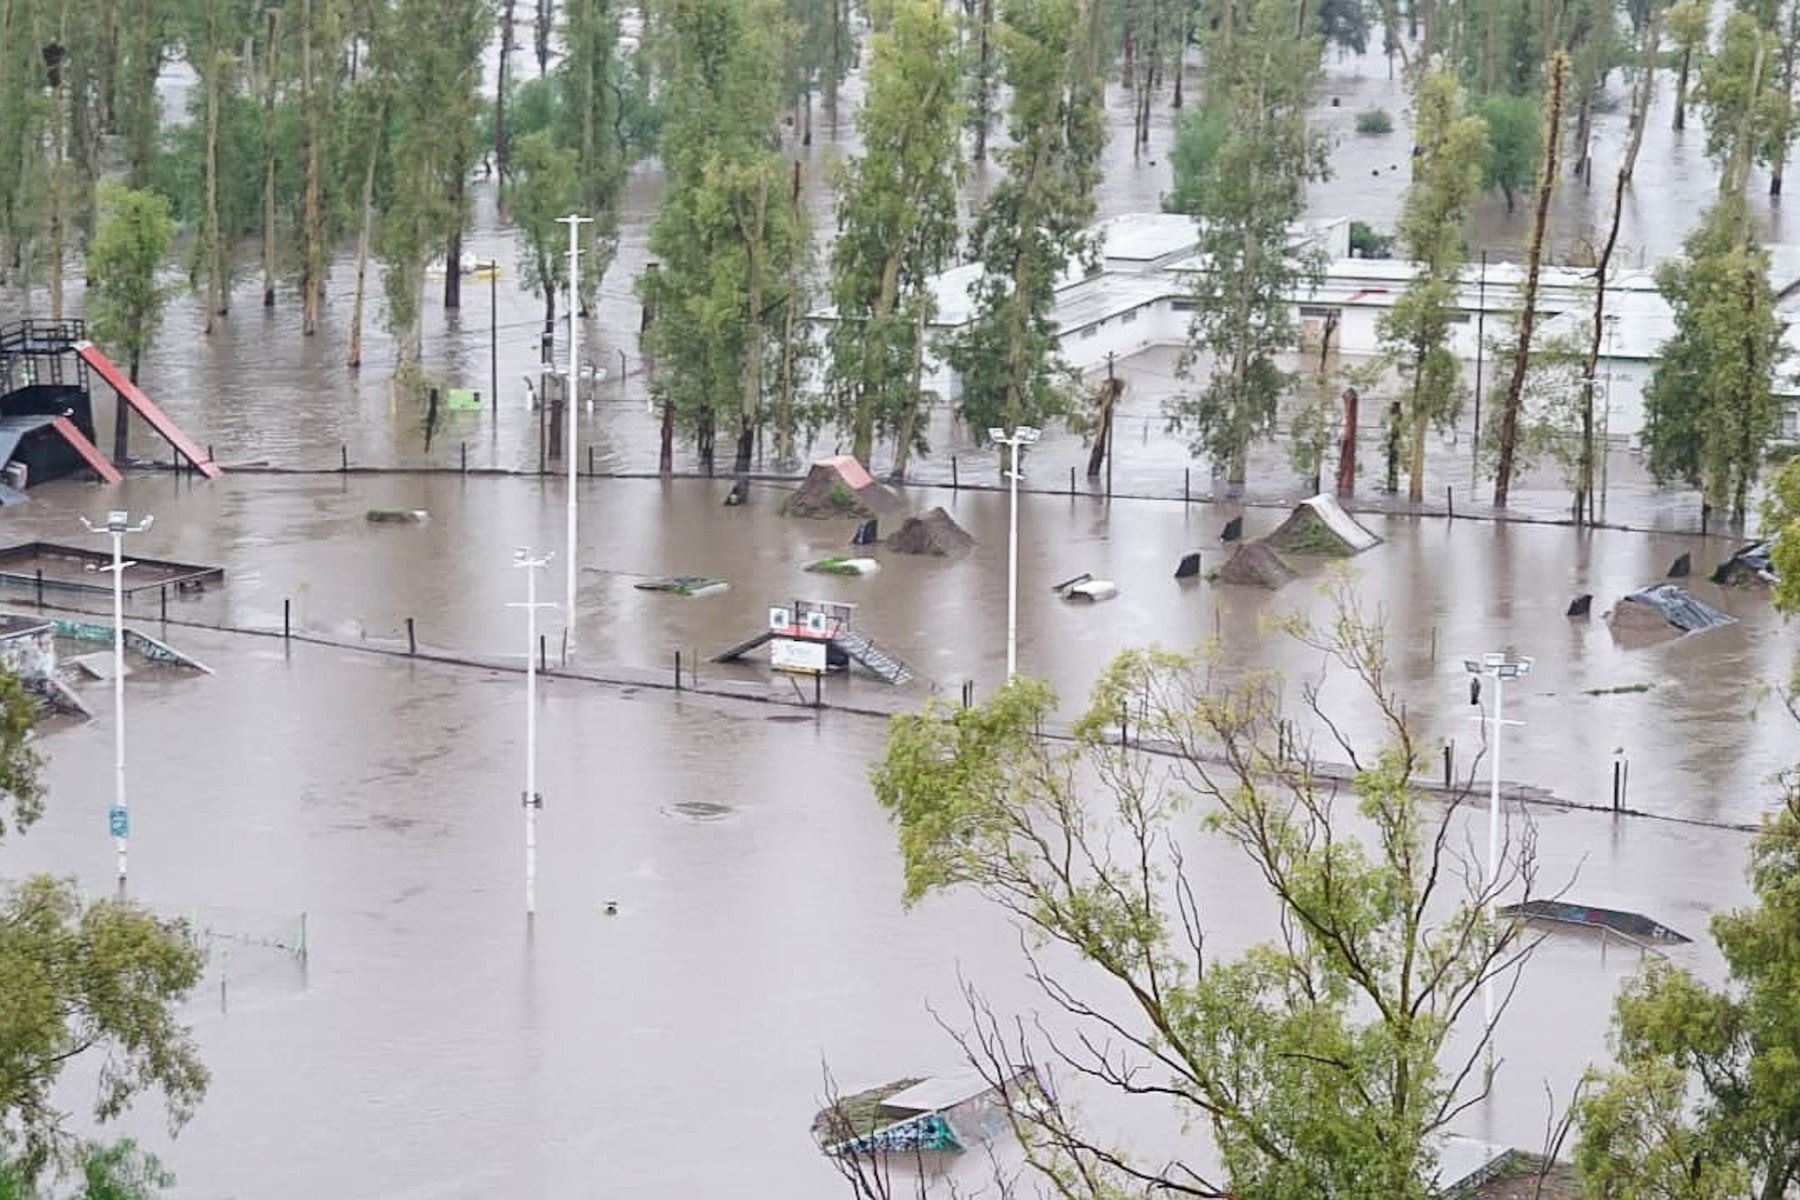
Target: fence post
[(678, 670), (343, 458), (1618, 791), (465, 458), (954, 484), (1447, 768), (1187, 476), (286, 617), (164, 591), (40, 587), (543, 652), (412, 640), (818, 701), (1450, 500), (590, 460)]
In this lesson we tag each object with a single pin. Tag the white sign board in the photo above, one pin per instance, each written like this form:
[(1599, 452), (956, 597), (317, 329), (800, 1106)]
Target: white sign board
[(780, 618), (800, 657)]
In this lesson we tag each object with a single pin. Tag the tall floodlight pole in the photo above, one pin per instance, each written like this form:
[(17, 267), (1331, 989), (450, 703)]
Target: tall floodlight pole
[(574, 221), (1018, 439), (118, 524), (522, 559), (1499, 667)]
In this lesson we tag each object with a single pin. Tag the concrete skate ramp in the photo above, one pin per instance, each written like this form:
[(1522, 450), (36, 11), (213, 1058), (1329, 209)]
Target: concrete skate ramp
[(936, 534), (1321, 526)]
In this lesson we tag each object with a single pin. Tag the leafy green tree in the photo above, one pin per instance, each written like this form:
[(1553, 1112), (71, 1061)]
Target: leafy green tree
[(1781, 517), (591, 120), (125, 301), (434, 71), (729, 227), (1702, 1101), (80, 981), (1198, 136), (545, 186), (1689, 22), (1252, 191), (1748, 118), (1710, 407), (896, 226), (1515, 139), (1415, 332), (121, 1171), (1035, 220), (131, 243), (321, 38), (1324, 1062)]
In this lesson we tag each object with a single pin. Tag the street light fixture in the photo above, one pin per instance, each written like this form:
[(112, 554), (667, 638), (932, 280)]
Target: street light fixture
[(1499, 667), (574, 221), (118, 820), (1021, 436), (523, 560)]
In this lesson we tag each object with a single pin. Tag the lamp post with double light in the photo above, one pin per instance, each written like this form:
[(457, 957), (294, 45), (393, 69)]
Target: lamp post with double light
[(1018, 439), (1499, 667), (117, 525)]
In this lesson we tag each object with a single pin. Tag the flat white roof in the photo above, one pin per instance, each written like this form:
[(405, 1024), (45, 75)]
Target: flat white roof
[(1145, 237), (938, 1093)]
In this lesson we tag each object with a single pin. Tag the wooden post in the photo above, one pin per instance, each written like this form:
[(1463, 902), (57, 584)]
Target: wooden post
[(164, 593), (465, 458), (954, 486), (1187, 480), (412, 639), (40, 587), (286, 619), (1071, 481), (343, 457), (1447, 767), (1450, 500), (678, 670)]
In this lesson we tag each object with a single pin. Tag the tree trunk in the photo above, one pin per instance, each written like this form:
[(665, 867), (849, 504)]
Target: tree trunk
[(1346, 472), (1103, 420), (106, 75), (1681, 80), (862, 434), (1645, 92), (984, 83), (312, 277), (909, 416), (213, 243), (1534, 256), (784, 413), (57, 182), (1420, 424), (145, 67), (502, 82), (453, 261), (1778, 163), (354, 359), (837, 57), (750, 399), (540, 33), (270, 63), (1584, 137)]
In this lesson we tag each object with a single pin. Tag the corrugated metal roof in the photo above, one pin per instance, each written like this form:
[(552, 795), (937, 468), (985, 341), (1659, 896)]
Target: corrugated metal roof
[(1680, 608)]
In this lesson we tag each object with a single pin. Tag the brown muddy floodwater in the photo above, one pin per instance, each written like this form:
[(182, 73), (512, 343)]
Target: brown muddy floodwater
[(433, 1046)]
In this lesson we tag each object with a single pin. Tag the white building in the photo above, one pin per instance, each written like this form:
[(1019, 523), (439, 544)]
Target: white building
[(1139, 295)]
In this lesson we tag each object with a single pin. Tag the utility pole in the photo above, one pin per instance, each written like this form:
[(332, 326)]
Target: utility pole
[(574, 221)]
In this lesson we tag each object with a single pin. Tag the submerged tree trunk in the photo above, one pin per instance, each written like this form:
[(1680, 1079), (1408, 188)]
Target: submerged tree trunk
[(211, 238), (750, 398), (1681, 89), (354, 359), (453, 260), (909, 416), (1420, 425), (502, 82), (1534, 256), (270, 62), (984, 83), (312, 278), (1346, 472)]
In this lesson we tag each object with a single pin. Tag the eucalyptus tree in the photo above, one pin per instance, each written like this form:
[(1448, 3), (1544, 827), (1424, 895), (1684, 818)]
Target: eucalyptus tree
[(1034, 221), (729, 226), (434, 70), (590, 123), (897, 226), (1251, 194), (1415, 332)]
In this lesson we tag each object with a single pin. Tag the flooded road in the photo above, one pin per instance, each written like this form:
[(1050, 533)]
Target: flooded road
[(433, 1047)]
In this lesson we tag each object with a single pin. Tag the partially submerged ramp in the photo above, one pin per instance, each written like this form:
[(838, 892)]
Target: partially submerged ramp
[(90, 454), (145, 408)]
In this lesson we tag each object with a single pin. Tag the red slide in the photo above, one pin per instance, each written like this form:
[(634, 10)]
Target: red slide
[(159, 420), (89, 453)]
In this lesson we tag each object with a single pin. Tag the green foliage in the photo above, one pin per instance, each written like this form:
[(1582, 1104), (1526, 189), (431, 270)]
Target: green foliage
[(592, 125), (1710, 406), (1781, 518), (896, 222), (432, 75), (1415, 332), (1374, 120), (544, 185), (20, 786), (121, 1171), (1743, 126), (1034, 221), (727, 235), (1515, 142), (1198, 136), (1366, 243), (131, 242), (1319, 1062), (1702, 1103), (1252, 191)]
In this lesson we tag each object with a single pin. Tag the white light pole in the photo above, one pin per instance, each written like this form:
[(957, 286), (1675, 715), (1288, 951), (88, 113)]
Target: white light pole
[(1022, 436), (574, 221), (522, 559), (118, 524), (1499, 667)]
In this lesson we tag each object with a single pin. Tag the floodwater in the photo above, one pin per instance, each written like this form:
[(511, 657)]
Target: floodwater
[(257, 391), (435, 1047)]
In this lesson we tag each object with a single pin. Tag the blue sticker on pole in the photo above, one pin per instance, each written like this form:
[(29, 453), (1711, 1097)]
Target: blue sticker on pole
[(118, 820)]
